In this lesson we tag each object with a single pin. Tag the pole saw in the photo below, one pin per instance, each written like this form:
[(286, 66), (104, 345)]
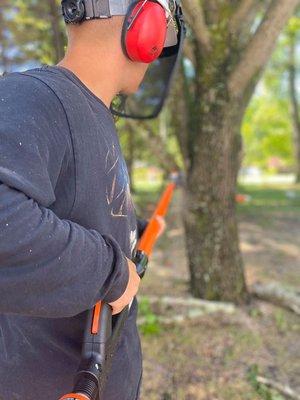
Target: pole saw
[(103, 330)]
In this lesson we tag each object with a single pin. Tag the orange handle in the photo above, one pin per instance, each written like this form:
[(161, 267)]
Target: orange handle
[(146, 243), (152, 230), (96, 318), (74, 396)]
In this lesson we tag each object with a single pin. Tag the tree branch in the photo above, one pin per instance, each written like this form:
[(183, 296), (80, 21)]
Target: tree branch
[(242, 12), (211, 10), (156, 144), (188, 51), (196, 20), (260, 48), (276, 294)]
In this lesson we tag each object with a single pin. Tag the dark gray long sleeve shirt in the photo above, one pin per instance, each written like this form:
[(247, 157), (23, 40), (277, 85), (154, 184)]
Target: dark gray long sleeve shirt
[(66, 223)]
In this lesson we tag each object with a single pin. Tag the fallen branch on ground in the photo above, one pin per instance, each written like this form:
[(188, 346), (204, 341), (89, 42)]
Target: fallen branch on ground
[(277, 295), (283, 389), (195, 308), (209, 306)]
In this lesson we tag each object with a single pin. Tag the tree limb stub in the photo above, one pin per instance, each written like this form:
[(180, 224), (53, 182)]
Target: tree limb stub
[(260, 47)]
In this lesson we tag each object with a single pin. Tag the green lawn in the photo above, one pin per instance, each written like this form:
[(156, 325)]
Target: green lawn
[(270, 198), (264, 198)]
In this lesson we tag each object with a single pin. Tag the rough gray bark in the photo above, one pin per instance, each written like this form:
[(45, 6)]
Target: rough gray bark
[(210, 219), (295, 109)]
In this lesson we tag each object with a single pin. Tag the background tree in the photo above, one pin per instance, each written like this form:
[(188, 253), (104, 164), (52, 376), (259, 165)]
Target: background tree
[(229, 44), (293, 75), (278, 96), (6, 59), (151, 142), (35, 32)]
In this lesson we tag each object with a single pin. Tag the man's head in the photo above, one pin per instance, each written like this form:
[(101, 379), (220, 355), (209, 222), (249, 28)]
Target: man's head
[(112, 42), (102, 40), (135, 31)]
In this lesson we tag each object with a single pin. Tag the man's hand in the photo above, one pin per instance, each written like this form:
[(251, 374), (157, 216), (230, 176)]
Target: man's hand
[(130, 291)]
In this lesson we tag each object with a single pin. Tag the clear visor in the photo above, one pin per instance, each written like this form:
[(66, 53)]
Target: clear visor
[(148, 101)]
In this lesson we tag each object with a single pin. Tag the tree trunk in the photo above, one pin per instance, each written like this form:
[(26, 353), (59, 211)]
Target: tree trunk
[(57, 36), (4, 61), (226, 57), (214, 257), (294, 103)]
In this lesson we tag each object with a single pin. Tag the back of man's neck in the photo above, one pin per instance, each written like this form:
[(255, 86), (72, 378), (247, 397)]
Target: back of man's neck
[(99, 74)]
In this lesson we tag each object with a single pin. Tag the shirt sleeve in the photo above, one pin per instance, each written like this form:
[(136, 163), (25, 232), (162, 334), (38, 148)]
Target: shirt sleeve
[(49, 267)]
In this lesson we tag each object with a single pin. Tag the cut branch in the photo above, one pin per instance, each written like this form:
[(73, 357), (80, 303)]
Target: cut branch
[(196, 20), (277, 295), (283, 389), (260, 47)]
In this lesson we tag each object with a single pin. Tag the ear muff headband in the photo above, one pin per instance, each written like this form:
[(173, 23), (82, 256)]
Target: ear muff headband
[(144, 31)]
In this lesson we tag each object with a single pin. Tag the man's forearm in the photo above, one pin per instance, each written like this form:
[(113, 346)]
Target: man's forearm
[(51, 267)]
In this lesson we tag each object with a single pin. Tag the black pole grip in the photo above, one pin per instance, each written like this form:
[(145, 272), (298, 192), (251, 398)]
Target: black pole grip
[(90, 377), (98, 348)]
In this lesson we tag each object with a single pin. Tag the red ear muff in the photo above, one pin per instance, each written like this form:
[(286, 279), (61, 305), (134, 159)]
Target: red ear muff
[(144, 31)]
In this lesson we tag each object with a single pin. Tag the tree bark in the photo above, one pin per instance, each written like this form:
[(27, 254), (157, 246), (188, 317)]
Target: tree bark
[(215, 261), (294, 103)]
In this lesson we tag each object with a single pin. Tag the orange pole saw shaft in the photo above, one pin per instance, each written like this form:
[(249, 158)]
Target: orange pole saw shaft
[(147, 240), (152, 230)]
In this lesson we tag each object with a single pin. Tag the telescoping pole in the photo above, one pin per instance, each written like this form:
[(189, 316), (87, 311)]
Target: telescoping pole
[(103, 330)]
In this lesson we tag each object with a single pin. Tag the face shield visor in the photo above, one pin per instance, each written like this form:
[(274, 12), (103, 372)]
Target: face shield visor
[(148, 101)]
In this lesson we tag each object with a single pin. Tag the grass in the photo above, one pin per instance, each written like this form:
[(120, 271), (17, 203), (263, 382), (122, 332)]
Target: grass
[(150, 325), (270, 198), (264, 198), (262, 390)]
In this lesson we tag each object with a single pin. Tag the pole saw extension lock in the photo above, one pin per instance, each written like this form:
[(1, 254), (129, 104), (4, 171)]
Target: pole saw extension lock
[(160, 46)]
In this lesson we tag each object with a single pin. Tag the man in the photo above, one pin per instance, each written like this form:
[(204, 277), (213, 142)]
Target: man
[(68, 226)]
